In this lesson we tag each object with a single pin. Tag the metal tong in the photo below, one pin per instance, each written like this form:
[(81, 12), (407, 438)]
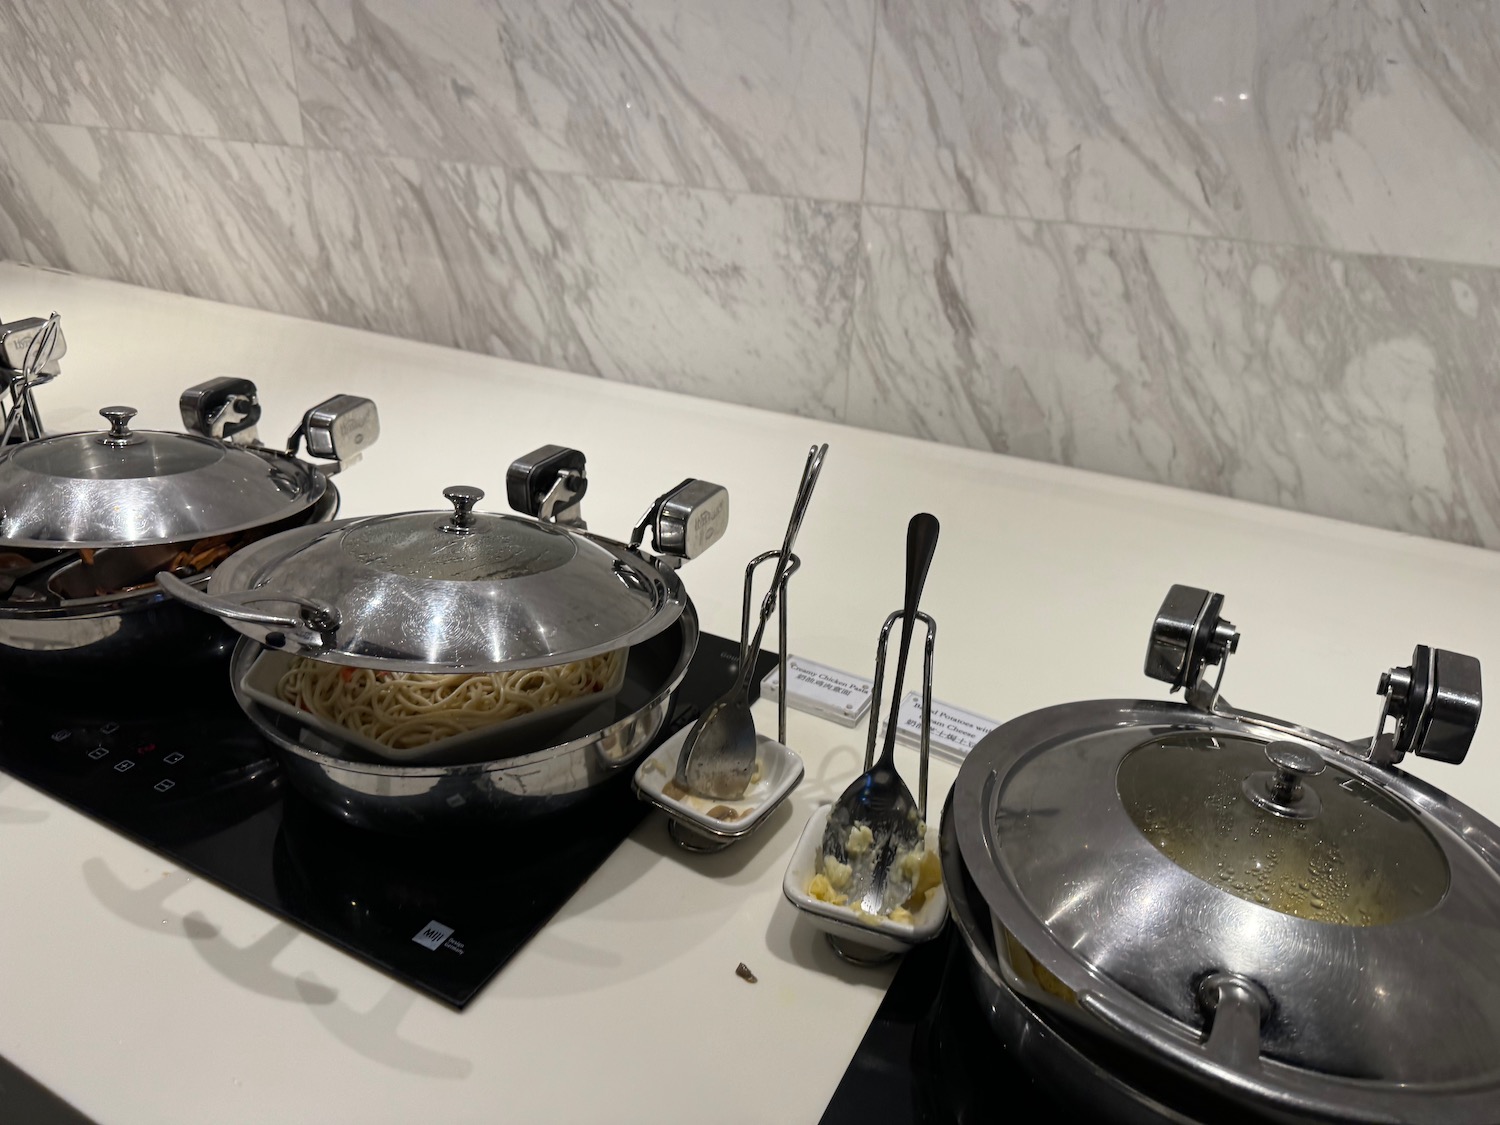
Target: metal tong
[(22, 422)]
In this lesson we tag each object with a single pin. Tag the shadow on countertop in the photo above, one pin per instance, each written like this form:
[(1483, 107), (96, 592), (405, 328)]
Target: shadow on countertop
[(23, 1098)]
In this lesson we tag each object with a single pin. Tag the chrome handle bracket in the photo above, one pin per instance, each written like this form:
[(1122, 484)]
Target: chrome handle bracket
[(225, 409), (549, 483), (35, 343), (1235, 1007), (1189, 635), (338, 429), (1434, 703), (685, 521)]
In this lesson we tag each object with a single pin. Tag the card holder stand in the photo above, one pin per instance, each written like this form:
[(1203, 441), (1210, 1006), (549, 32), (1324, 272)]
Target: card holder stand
[(861, 939), (697, 829)]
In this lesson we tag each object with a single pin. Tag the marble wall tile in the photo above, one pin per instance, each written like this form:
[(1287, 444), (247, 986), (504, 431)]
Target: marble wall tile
[(225, 220), (759, 95), (1246, 246), (743, 298), (1353, 126), (209, 68), (1350, 386)]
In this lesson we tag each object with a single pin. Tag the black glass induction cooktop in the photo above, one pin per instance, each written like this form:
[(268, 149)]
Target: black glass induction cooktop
[(929, 1057), (188, 776)]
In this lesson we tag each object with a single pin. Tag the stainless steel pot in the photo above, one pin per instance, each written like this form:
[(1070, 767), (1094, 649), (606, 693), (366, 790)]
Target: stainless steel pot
[(110, 508), (1083, 1072), (467, 592), (71, 632), (1250, 915), (411, 800)]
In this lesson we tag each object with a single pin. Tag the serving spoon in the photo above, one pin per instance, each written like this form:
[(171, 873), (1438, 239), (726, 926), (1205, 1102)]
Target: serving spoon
[(12, 578), (718, 755), (878, 799)]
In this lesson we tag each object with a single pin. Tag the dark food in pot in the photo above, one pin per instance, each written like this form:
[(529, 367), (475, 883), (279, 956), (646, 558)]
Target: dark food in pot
[(88, 519)]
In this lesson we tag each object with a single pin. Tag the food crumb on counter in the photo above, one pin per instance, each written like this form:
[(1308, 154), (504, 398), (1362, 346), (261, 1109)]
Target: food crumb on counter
[(742, 971)]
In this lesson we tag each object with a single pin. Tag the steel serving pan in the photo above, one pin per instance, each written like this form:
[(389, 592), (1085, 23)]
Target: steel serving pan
[(466, 592), (100, 512), (1091, 1076), (1277, 917), (384, 797)]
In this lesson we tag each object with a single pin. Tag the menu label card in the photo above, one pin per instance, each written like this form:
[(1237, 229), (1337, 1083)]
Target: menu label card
[(820, 690), (954, 731)]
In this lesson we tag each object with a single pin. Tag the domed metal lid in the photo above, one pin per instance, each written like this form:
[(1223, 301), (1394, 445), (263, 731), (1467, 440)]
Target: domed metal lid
[(442, 592), (1249, 900), (1274, 824), (127, 487)]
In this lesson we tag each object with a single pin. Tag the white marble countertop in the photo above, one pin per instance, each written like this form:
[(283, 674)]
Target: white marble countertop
[(143, 994)]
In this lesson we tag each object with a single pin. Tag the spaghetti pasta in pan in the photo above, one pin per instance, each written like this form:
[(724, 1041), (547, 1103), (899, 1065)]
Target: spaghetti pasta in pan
[(454, 666), (414, 718), (405, 710)]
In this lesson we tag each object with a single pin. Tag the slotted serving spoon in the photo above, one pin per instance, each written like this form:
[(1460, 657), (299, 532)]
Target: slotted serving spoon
[(879, 799), (718, 755)]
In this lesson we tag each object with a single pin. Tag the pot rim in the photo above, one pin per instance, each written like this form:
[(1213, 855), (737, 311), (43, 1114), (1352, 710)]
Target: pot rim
[(1105, 1006), (246, 649)]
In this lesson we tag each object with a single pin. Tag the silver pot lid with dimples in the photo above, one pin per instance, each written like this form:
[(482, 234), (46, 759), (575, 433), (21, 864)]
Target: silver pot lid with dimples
[(1264, 909), (462, 590)]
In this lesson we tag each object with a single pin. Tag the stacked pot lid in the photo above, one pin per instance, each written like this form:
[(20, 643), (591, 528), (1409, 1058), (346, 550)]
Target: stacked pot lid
[(1281, 917), (459, 592), (126, 487), (464, 591)]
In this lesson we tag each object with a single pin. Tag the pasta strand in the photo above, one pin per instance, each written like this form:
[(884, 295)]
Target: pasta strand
[(404, 710)]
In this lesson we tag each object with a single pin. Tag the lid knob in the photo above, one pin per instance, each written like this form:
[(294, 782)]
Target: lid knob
[(119, 418), (463, 497), (1293, 763), (1282, 791)]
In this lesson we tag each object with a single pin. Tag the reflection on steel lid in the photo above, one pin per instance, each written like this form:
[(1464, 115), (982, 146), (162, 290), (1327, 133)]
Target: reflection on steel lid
[(1325, 846), (129, 487), (463, 591), (1121, 844)]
